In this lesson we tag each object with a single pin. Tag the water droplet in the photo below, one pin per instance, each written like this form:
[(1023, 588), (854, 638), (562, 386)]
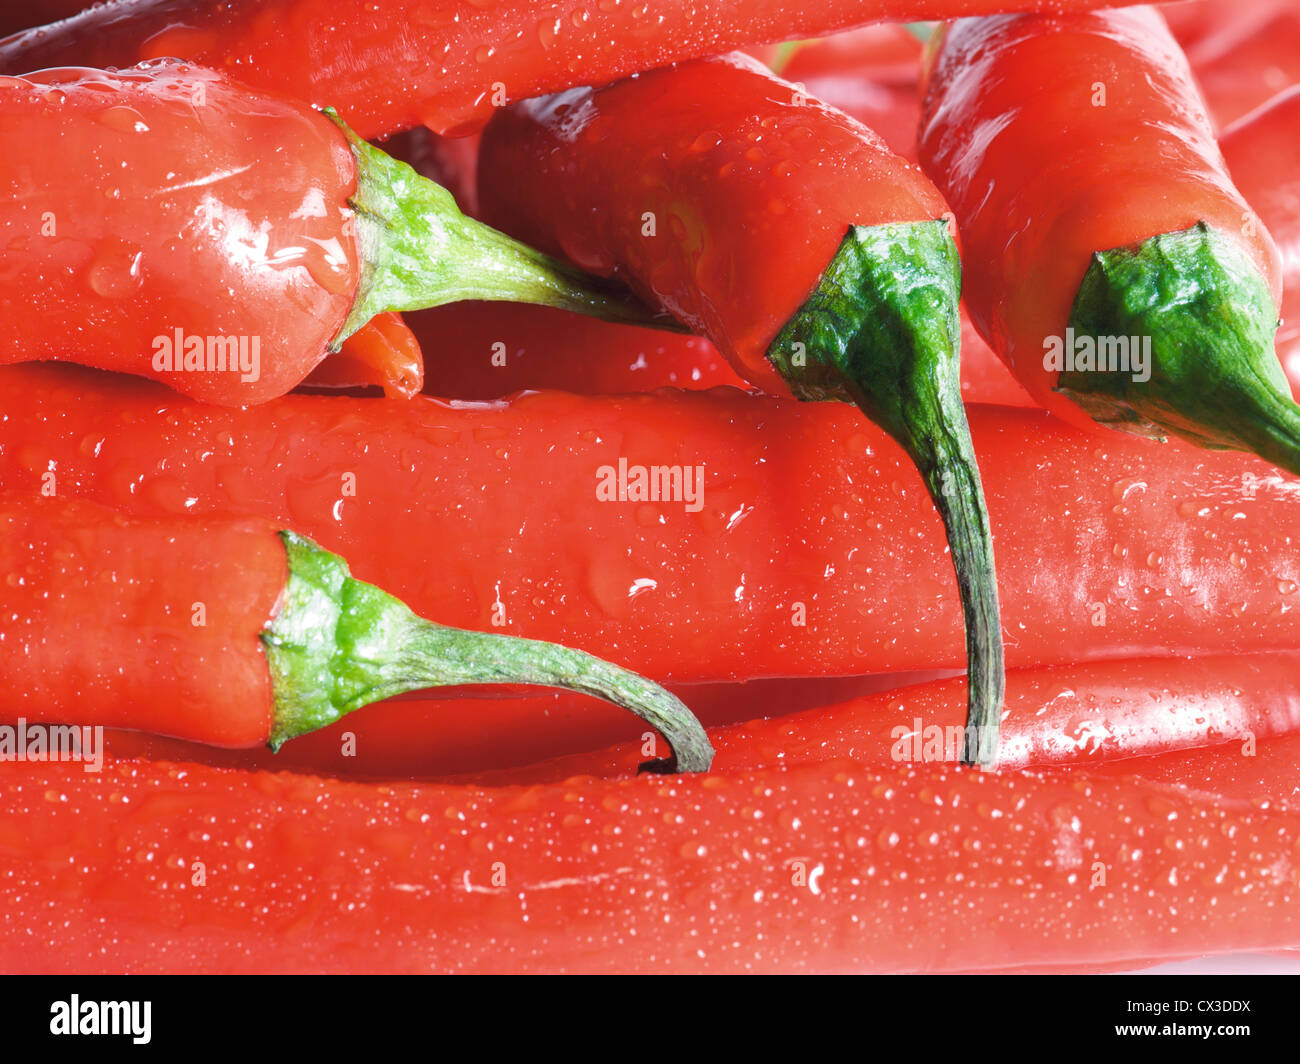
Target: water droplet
[(123, 119), (115, 272), (706, 141)]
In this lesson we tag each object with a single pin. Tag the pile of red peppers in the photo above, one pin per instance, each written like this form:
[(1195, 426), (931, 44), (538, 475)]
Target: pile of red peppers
[(1145, 806)]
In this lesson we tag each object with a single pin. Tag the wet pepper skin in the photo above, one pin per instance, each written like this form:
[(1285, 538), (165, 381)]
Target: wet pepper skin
[(151, 866), (444, 63), (1113, 713), (1187, 551), (1014, 94), (747, 219), (100, 620), (236, 208)]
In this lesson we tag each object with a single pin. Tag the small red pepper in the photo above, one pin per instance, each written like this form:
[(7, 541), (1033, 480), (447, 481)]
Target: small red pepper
[(440, 63), (173, 224), (1110, 260), (820, 263), (231, 633), (384, 352)]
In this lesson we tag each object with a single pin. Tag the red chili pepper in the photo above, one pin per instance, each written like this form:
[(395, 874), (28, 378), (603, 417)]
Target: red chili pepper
[(1079, 716), (820, 263), (814, 551), (1109, 258), (1253, 57), (384, 352), (871, 74), (160, 867), (1264, 156), (173, 224), (436, 62), (492, 350), (481, 729), (231, 633)]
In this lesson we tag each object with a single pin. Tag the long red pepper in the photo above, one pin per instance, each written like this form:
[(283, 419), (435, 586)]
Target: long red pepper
[(444, 63), (821, 264), (491, 350), (485, 351), (813, 535), (1263, 152), (157, 867), (1109, 258), (1078, 715), (233, 633), (479, 729), (171, 223)]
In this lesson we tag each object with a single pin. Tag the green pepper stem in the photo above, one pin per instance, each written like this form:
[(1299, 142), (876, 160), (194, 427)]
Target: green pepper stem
[(881, 329), (418, 250), (1175, 335), (336, 644)]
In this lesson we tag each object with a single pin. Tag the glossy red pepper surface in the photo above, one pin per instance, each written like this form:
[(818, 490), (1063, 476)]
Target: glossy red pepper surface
[(384, 353), (147, 624), (1170, 551), (1017, 95), (155, 867), (241, 252), (444, 63), (1081, 716)]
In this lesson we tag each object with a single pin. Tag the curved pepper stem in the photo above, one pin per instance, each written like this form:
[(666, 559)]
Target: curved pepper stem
[(418, 250), (1177, 337), (881, 330), (336, 644)]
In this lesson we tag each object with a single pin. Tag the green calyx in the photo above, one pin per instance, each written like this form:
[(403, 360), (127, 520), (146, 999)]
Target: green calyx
[(1175, 335), (336, 644), (418, 250), (881, 330)]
